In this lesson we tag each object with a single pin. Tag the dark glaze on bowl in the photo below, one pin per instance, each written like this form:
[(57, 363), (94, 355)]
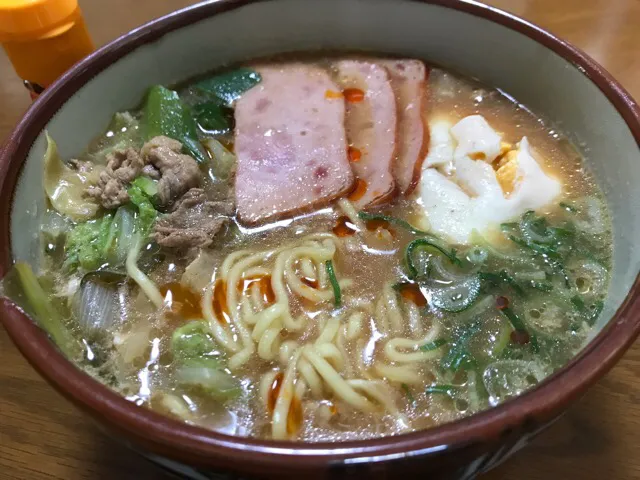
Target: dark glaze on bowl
[(458, 450)]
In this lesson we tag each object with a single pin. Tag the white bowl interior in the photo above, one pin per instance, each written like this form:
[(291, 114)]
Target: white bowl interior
[(496, 55)]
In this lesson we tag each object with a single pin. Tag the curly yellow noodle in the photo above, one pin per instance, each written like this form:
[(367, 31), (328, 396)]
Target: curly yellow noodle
[(283, 403), (329, 331), (349, 210), (407, 373), (311, 377), (337, 384), (331, 354), (287, 349), (414, 319), (354, 325), (408, 350), (221, 335)]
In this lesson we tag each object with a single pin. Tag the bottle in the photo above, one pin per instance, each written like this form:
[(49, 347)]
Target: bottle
[(43, 38)]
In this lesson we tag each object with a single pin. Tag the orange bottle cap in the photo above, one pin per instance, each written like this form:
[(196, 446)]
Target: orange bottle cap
[(24, 17)]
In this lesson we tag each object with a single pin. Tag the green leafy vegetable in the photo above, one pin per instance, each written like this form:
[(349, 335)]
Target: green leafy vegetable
[(87, 243), (146, 212), (229, 86), (148, 186), (120, 237), (214, 117), (224, 162), (108, 239), (392, 220), (192, 340), (337, 294), (206, 374), (165, 114), (199, 365), (47, 316), (65, 187)]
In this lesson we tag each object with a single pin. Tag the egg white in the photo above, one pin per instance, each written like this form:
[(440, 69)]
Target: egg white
[(460, 193)]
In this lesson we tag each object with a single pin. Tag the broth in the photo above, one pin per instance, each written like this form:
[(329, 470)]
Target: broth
[(336, 322)]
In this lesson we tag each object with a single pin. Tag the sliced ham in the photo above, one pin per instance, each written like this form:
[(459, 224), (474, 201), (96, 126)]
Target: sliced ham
[(290, 143), (371, 124), (409, 79)]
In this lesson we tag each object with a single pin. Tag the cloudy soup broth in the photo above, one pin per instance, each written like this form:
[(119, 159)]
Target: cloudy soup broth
[(321, 249)]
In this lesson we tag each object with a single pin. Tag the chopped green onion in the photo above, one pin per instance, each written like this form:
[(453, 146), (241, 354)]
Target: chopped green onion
[(519, 326), (590, 316), (427, 244), (449, 390), (337, 295), (533, 339), (535, 230), (595, 313), (503, 277), (515, 320), (458, 355), (508, 227), (393, 220), (427, 347), (456, 297), (408, 393), (578, 303), (549, 251), (543, 287)]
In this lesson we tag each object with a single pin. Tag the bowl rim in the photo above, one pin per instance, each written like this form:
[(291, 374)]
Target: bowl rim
[(175, 439)]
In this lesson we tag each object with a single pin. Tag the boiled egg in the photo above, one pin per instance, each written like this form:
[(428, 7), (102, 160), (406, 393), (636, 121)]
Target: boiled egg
[(489, 182), (475, 139)]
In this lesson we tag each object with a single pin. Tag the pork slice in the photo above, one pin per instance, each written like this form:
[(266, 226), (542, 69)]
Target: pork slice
[(178, 172), (290, 143), (194, 221), (409, 80), (371, 124)]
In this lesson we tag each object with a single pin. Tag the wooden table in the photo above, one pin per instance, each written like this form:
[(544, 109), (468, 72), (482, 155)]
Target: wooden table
[(43, 437)]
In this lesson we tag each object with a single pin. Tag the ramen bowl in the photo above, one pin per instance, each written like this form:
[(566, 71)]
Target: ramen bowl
[(544, 73)]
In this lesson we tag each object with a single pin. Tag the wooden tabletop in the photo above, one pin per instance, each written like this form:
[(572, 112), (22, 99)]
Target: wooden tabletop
[(43, 437)]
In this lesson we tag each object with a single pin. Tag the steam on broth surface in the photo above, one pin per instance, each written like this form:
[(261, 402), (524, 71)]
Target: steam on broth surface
[(321, 250)]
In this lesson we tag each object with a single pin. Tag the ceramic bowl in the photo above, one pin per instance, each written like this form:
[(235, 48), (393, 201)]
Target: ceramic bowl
[(547, 75)]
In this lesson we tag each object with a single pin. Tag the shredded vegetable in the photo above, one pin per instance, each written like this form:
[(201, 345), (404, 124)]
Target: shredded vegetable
[(427, 347), (337, 294), (449, 390)]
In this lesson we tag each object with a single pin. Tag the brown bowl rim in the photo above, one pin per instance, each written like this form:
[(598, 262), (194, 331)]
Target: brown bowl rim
[(178, 440)]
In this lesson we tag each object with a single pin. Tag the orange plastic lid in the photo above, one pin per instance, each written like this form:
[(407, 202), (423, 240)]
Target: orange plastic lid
[(21, 17)]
